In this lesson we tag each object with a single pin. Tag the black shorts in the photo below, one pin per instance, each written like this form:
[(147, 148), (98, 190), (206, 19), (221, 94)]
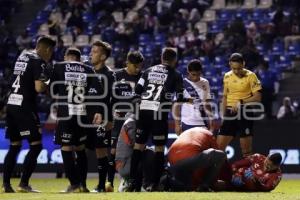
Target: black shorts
[(69, 132), (22, 124), (148, 123), (240, 126), (116, 132), (98, 138)]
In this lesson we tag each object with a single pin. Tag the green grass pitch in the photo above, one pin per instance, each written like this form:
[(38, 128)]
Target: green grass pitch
[(287, 190)]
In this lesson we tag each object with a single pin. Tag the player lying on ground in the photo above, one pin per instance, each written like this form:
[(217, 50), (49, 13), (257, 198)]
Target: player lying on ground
[(256, 173), (195, 162)]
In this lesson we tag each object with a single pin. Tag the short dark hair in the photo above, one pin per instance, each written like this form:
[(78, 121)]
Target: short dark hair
[(73, 51), (135, 57), (276, 158), (46, 40), (169, 54), (105, 46), (236, 57), (195, 65)]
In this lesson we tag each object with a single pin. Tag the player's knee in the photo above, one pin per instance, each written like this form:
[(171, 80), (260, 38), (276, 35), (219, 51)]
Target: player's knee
[(16, 143), (101, 152), (66, 148), (80, 147), (159, 148), (138, 146)]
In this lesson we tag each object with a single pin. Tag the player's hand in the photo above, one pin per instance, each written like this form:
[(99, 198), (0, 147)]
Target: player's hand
[(97, 119), (178, 129), (109, 126), (237, 181), (248, 174), (236, 107)]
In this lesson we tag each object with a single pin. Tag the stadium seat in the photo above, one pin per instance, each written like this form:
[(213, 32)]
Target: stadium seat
[(201, 27), (204, 60), (86, 50), (160, 39), (118, 16), (261, 49), (225, 15), (219, 62), (293, 49), (232, 6), (249, 4), (241, 14), (258, 14), (265, 4), (209, 16), (285, 62), (82, 40), (215, 27), (277, 49), (87, 17), (68, 40), (218, 4), (95, 38)]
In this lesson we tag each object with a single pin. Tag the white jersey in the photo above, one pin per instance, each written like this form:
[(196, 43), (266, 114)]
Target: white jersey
[(191, 114)]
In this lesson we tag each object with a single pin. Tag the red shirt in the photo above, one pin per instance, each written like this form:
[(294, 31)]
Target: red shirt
[(190, 143), (262, 181)]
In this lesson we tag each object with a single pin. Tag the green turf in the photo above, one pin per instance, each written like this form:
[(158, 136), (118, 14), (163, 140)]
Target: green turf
[(287, 189)]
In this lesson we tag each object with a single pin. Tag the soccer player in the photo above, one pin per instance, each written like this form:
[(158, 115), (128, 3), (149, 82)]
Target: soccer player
[(196, 87), (257, 173), (100, 138), (195, 161), (123, 93), (124, 151), (155, 89), (71, 81), (241, 87), (22, 119)]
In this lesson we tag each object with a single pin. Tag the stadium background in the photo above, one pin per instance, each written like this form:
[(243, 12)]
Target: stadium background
[(206, 29)]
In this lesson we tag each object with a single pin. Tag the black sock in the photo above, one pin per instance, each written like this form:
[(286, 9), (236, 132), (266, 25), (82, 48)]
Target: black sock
[(111, 169), (102, 171), (70, 167), (10, 162), (82, 166), (30, 163), (134, 165), (159, 160)]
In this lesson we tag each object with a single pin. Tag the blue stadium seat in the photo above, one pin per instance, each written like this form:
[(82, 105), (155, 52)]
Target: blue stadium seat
[(284, 62), (258, 14), (293, 49), (160, 39), (219, 62), (86, 50), (87, 17), (277, 49), (225, 15), (261, 49), (204, 60), (243, 14)]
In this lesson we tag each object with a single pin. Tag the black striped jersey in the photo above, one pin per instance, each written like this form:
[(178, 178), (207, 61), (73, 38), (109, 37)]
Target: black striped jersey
[(28, 68)]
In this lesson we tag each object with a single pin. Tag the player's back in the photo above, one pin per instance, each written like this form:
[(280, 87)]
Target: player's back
[(71, 82), (190, 143), (27, 69), (157, 85)]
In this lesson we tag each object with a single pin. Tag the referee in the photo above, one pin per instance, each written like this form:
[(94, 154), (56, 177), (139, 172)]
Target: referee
[(241, 87)]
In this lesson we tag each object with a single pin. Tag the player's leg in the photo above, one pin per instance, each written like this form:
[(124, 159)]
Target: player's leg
[(140, 141), (32, 131), (246, 145), (111, 163), (103, 142), (67, 136), (13, 134), (223, 141), (82, 166)]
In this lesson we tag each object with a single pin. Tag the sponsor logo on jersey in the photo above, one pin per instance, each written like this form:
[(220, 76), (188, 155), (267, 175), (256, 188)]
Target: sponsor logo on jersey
[(23, 57), (157, 78), (160, 68), (74, 68), (74, 76), (20, 66), (24, 133)]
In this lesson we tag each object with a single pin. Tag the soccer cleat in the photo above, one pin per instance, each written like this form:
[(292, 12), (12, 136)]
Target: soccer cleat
[(27, 189), (98, 190), (84, 189), (130, 186), (6, 188), (72, 189), (109, 187)]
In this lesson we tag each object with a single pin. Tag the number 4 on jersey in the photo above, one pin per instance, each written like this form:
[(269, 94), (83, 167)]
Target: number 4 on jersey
[(16, 84)]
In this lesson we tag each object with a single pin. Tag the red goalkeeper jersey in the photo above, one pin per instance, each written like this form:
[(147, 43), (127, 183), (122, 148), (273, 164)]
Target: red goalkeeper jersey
[(258, 180)]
